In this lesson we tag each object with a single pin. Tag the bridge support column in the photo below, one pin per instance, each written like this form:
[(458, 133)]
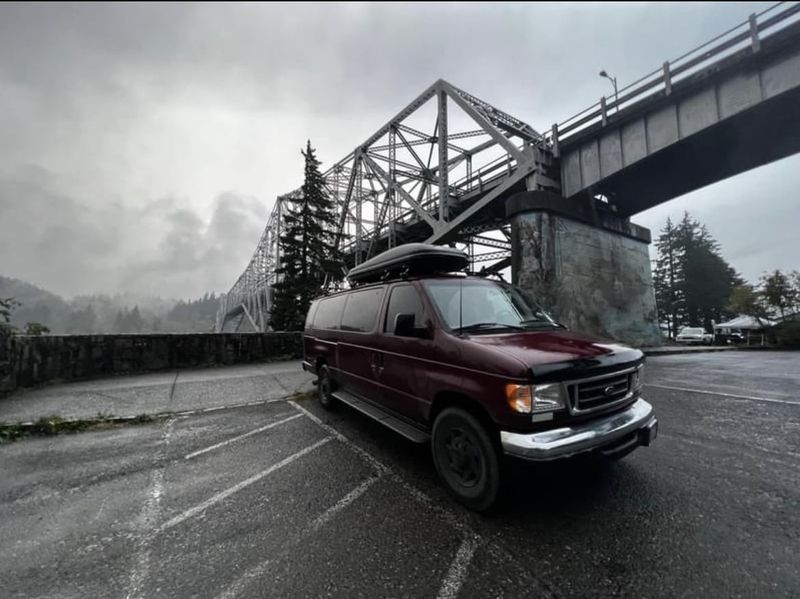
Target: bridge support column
[(588, 268)]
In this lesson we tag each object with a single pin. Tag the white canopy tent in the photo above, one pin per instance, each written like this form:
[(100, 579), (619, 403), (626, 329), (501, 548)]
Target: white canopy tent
[(747, 326), (743, 323)]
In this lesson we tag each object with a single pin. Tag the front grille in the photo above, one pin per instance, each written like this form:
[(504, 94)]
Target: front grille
[(600, 392)]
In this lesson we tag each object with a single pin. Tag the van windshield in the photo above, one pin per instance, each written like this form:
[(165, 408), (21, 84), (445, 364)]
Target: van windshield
[(470, 305)]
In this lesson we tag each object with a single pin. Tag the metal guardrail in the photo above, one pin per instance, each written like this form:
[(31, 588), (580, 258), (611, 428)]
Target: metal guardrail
[(749, 33)]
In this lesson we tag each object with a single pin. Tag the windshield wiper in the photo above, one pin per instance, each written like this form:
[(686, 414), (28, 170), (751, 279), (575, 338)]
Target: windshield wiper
[(488, 325), (535, 323)]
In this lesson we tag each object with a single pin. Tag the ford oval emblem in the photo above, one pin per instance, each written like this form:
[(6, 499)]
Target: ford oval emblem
[(609, 390)]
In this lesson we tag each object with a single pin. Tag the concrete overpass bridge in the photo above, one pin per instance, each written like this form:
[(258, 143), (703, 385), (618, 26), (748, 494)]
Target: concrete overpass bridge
[(555, 205)]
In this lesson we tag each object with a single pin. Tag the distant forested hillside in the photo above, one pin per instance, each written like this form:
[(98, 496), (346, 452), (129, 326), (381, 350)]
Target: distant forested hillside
[(121, 313)]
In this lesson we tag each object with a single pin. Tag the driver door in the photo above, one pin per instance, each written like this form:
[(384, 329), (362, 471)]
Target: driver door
[(400, 371)]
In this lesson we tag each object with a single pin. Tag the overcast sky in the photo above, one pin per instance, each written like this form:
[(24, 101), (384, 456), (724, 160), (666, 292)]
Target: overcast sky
[(142, 145)]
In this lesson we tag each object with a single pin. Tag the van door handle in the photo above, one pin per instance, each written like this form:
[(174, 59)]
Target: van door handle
[(376, 364)]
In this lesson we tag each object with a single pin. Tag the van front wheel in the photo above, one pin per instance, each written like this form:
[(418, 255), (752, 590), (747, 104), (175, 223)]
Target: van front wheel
[(466, 459)]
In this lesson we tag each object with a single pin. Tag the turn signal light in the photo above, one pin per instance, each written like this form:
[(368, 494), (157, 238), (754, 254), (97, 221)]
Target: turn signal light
[(519, 398)]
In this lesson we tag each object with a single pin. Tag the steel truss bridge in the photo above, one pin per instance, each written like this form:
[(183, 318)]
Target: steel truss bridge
[(440, 169), (432, 173)]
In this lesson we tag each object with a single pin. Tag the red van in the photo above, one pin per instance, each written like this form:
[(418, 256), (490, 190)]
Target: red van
[(473, 366)]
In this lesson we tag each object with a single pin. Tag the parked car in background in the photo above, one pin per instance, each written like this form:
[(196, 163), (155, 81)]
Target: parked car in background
[(694, 336), (728, 338), (473, 367)]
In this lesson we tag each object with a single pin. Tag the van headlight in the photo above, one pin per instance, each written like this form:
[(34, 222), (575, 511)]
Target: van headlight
[(535, 399)]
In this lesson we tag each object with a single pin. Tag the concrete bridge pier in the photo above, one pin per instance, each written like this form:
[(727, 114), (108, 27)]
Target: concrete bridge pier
[(589, 268)]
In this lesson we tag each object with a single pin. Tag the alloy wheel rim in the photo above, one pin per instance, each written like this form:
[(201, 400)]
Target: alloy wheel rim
[(463, 457)]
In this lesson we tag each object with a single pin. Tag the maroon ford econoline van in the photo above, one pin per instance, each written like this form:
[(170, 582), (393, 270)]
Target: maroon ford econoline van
[(474, 367)]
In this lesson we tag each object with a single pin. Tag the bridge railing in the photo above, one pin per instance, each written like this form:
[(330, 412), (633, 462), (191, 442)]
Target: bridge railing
[(749, 33)]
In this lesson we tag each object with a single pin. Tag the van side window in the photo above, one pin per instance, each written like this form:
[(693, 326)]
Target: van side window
[(329, 312), (310, 315), (404, 300), (361, 310)]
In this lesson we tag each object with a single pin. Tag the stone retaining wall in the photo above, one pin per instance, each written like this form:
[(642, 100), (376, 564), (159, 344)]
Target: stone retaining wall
[(26, 361)]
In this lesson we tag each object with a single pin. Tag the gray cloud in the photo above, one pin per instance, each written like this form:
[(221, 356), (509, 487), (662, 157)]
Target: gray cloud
[(161, 248), (49, 237), (193, 255), (141, 116)]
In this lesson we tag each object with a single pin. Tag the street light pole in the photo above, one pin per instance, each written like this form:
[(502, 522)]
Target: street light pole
[(613, 81)]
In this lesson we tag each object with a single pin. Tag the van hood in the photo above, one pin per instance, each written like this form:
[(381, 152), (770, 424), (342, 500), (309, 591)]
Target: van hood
[(560, 354)]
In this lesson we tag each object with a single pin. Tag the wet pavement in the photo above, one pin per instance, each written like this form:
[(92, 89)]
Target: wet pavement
[(170, 391), (282, 499)]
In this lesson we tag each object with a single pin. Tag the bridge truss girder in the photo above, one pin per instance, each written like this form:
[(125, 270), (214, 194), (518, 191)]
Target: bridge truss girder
[(432, 173)]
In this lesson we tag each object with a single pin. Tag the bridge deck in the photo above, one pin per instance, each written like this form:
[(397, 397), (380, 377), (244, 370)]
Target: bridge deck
[(738, 113)]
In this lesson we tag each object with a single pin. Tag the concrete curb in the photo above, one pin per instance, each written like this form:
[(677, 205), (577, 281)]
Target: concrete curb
[(28, 425), (155, 416)]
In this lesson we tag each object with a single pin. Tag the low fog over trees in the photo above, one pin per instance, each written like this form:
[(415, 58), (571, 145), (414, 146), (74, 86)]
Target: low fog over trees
[(86, 314)]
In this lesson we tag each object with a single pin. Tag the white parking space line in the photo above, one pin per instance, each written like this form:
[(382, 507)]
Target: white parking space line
[(323, 518), (380, 467), (458, 522), (239, 486), (260, 429), (147, 520), (457, 574), (256, 572), (232, 406), (721, 394)]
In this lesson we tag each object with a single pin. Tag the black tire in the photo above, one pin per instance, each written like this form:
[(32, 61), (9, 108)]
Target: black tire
[(466, 459), (325, 387)]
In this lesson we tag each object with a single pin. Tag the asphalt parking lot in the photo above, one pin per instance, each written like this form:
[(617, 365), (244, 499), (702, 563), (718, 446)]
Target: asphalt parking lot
[(281, 499)]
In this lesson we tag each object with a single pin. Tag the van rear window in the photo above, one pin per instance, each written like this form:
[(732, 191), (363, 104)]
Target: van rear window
[(361, 310), (329, 312)]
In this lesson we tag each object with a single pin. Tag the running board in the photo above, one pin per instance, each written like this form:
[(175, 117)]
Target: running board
[(401, 428)]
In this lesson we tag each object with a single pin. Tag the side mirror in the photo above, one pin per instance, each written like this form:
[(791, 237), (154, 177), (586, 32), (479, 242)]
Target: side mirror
[(404, 327)]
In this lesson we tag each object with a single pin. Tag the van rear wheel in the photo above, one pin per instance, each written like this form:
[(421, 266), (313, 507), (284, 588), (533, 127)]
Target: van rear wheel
[(325, 388), (466, 459)]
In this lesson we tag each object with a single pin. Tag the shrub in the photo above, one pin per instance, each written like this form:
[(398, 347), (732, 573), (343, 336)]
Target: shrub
[(785, 335)]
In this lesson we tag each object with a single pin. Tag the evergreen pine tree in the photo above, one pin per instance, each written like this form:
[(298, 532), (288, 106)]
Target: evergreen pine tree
[(668, 278), (794, 280), (308, 252), (7, 306), (135, 322), (119, 322), (692, 281)]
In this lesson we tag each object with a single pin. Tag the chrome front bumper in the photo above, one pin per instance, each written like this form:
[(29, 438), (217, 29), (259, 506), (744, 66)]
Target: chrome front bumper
[(637, 421)]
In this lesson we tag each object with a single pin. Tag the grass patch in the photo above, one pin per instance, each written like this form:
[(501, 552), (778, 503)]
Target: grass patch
[(148, 418), (302, 396), (10, 432), (49, 426)]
